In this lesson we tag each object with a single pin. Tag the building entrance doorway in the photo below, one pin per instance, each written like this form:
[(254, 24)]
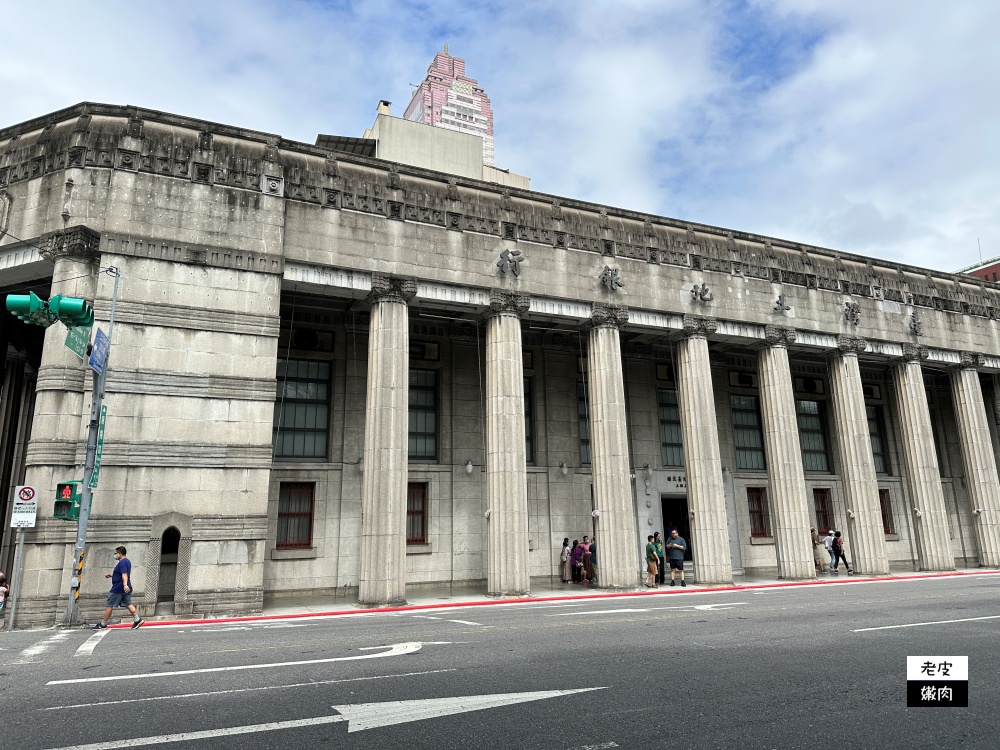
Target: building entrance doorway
[(675, 513), (167, 584)]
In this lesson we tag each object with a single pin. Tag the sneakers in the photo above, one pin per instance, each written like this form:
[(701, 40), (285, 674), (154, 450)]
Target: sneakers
[(137, 623), (100, 626), (683, 582), (673, 582)]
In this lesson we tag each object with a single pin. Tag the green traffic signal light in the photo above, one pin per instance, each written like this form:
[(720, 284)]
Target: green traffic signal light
[(67, 506), (72, 311), (31, 309)]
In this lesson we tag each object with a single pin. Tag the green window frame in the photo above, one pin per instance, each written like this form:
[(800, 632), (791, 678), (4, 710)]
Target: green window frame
[(812, 436), (302, 410), (583, 412), (423, 416), (529, 421), (671, 443), (876, 431), (748, 437)]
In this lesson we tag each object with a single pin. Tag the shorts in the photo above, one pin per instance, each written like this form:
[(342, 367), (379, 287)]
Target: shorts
[(651, 567), (116, 599), (677, 564)]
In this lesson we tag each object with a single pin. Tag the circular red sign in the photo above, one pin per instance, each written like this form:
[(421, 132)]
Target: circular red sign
[(26, 495)]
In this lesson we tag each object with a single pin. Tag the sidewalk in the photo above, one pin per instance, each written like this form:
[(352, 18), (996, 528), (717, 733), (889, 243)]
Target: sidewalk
[(444, 597)]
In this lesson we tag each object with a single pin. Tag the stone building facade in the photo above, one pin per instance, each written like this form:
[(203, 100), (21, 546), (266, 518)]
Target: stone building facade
[(335, 374)]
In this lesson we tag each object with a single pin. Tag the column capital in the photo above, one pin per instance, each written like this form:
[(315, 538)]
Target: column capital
[(914, 353), (78, 243), (699, 326), (849, 345), (607, 316), (507, 303), (386, 288), (777, 336), (970, 361)]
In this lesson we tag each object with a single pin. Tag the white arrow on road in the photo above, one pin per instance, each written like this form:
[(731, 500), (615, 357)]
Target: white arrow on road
[(359, 717), (396, 649)]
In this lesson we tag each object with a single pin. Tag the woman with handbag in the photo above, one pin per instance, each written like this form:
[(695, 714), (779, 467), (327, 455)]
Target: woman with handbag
[(567, 574)]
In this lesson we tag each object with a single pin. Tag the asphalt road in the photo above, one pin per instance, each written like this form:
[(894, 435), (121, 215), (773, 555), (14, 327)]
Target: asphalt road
[(776, 668)]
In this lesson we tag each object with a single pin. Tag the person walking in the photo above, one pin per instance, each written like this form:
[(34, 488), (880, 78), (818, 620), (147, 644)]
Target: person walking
[(121, 591), (838, 551), (675, 550), (651, 563), (660, 558), (818, 550), (567, 574), (828, 543)]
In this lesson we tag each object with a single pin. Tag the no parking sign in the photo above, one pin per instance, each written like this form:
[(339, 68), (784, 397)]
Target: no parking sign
[(25, 507)]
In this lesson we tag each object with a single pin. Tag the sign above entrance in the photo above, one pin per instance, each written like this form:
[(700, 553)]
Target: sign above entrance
[(674, 484)]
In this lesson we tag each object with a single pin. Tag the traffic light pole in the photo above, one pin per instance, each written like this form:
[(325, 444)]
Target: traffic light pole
[(73, 616)]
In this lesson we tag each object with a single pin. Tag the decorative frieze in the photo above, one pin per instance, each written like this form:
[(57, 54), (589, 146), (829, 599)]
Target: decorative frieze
[(970, 360), (607, 316), (79, 243), (850, 344)]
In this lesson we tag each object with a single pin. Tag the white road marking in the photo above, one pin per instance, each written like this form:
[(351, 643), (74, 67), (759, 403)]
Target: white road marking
[(466, 622), (602, 746), (245, 690), (918, 624), (396, 649), (598, 612), (41, 647), (360, 716), (720, 607), (91, 643), (426, 617)]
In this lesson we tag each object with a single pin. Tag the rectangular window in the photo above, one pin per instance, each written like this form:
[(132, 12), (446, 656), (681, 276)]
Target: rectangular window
[(416, 513), (747, 434), (885, 503), (295, 516), (811, 436), (423, 415), (302, 409), (877, 434), (583, 410), (671, 446), (529, 411), (760, 524), (824, 516)]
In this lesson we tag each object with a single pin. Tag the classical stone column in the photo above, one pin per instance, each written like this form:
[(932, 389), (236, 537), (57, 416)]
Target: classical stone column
[(923, 479), (383, 488), (977, 454), (609, 456), (506, 470), (865, 533), (702, 460), (789, 505)]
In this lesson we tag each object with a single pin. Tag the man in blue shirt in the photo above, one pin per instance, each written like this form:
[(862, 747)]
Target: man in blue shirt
[(121, 591), (675, 551)]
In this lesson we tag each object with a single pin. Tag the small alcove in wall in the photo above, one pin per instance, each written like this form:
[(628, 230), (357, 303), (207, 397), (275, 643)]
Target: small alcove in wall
[(167, 584)]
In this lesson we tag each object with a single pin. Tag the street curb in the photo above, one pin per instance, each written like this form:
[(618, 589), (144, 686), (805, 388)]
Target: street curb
[(360, 611)]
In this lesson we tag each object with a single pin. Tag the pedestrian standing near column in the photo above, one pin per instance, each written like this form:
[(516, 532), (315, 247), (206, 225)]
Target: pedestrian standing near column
[(675, 550), (818, 550), (121, 591), (651, 560), (567, 574), (660, 558)]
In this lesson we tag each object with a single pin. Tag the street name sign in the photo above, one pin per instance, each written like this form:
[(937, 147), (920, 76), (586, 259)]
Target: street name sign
[(100, 449), (77, 340)]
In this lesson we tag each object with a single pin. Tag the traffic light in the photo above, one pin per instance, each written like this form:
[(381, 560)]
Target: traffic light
[(67, 507), (31, 309), (72, 311)]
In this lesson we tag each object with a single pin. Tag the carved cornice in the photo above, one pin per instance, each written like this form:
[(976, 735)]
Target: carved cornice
[(507, 303), (386, 288), (970, 361), (699, 326), (78, 243), (607, 316), (914, 353), (778, 336), (850, 345)]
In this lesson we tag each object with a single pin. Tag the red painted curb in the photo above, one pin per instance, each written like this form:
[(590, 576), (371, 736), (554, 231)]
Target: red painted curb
[(560, 598)]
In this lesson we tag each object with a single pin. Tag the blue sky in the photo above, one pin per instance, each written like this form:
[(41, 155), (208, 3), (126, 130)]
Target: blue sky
[(868, 127)]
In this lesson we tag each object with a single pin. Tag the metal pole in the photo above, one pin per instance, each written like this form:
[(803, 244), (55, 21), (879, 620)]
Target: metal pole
[(73, 616), (15, 582)]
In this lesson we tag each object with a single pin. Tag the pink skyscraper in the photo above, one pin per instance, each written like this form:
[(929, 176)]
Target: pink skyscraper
[(448, 98)]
